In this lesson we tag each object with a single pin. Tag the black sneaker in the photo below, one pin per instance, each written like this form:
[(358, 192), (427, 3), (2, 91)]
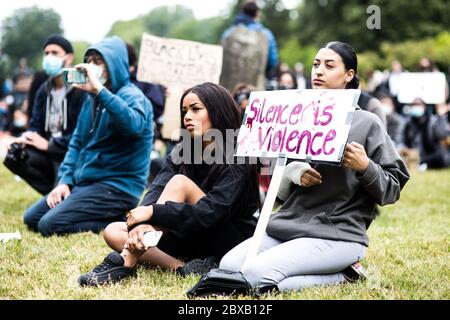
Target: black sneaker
[(109, 271), (197, 266), (355, 272)]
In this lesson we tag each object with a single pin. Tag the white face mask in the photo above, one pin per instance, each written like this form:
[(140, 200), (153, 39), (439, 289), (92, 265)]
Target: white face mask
[(417, 111), (98, 71), (20, 123), (387, 109), (52, 65)]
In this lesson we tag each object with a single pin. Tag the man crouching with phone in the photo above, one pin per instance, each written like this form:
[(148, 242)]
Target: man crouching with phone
[(54, 114), (107, 163)]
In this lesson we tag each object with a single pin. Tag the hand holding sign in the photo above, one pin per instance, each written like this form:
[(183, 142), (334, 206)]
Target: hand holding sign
[(355, 157), (312, 125)]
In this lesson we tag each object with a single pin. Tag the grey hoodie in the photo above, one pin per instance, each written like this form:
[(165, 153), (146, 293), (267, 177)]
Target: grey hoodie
[(343, 206)]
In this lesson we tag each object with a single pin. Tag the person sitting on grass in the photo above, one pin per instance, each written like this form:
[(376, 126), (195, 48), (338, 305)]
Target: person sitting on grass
[(321, 228), (105, 168), (204, 208)]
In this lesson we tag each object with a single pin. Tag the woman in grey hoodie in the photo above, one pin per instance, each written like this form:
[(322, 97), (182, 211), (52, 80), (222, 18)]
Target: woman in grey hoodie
[(321, 228)]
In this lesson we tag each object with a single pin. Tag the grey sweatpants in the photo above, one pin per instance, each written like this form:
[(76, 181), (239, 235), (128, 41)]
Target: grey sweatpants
[(294, 264)]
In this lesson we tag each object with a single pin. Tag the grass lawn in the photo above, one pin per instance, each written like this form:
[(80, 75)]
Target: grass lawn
[(408, 257)]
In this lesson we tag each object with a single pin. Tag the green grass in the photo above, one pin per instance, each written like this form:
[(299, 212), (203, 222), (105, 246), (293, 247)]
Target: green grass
[(408, 256)]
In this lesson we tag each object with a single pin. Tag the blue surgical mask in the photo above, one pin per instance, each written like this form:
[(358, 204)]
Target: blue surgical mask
[(417, 111), (19, 123), (99, 73), (52, 65)]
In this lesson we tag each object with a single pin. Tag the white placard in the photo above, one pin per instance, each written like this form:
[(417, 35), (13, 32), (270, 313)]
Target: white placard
[(178, 65), (181, 63), (429, 86), (311, 124)]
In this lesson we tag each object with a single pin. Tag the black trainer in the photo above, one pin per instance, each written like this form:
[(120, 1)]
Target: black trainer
[(109, 271), (197, 266), (355, 272)]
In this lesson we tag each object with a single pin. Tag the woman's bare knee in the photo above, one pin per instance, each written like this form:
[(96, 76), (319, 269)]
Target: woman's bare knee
[(179, 181), (184, 186), (115, 233)]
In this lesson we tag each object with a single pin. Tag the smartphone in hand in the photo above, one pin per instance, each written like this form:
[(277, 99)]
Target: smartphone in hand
[(151, 238), (72, 75)]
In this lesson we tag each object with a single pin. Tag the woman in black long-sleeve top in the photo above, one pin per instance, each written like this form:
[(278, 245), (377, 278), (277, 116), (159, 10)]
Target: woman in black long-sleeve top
[(203, 205)]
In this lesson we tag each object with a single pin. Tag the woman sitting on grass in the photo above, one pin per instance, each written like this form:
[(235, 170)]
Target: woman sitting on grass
[(203, 208), (321, 229)]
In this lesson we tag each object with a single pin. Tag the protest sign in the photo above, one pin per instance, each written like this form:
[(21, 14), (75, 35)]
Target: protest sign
[(178, 65), (429, 86), (312, 125), (173, 62)]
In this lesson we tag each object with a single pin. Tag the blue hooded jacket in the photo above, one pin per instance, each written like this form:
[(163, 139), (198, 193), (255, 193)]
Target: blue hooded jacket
[(114, 134)]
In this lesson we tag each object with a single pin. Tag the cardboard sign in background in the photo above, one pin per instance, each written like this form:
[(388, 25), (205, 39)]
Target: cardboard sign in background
[(178, 65), (429, 86), (312, 125)]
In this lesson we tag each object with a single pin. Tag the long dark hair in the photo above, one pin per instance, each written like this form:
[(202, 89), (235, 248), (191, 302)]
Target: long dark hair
[(223, 113), (348, 55)]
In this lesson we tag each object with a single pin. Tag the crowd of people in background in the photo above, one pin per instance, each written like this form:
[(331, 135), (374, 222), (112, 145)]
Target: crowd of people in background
[(421, 138), (112, 126)]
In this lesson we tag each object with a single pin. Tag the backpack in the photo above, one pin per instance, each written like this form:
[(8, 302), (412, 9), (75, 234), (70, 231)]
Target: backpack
[(245, 54)]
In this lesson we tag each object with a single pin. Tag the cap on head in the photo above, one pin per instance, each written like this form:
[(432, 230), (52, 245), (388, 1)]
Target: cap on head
[(60, 41)]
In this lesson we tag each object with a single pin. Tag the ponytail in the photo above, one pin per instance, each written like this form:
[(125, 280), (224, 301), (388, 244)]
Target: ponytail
[(354, 83)]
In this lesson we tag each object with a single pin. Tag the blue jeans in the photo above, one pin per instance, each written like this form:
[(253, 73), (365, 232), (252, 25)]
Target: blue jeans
[(294, 264), (88, 208)]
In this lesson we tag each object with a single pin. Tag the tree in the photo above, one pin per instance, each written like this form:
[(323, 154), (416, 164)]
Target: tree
[(204, 31), (162, 19), (276, 17), (130, 31), (400, 20), (24, 32), (165, 21), (79, 48)]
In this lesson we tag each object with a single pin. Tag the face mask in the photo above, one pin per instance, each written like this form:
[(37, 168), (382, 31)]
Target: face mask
[(52, 65), (98, 71), (417, 111), (387, 110), (19, 123)]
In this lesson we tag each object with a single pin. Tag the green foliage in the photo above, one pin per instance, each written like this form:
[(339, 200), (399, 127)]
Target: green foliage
[(79, 48), (171, 22), (24, 32), (130, 31), (5, 69), (409, 53), (327, 20), (161, 20), (275, 17), (293, 52), (204, 31), (369, 61)]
